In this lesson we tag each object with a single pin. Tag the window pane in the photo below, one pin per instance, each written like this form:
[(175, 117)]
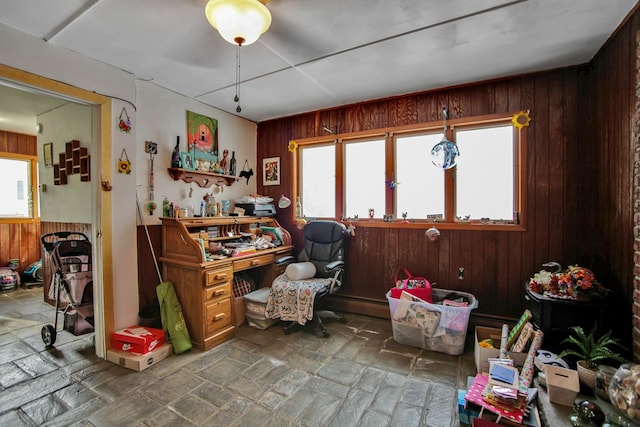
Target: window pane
[(15, 190), (485, 173), (364, 178), (318, 181), (421, 184)]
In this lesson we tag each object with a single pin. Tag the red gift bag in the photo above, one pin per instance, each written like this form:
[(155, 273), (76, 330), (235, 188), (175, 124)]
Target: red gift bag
[(416, 286)]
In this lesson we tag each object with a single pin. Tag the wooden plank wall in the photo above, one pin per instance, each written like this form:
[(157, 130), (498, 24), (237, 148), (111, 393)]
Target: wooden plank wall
[(19, 240), (18, 143), (497, 263), (147, 274), (608, 157)]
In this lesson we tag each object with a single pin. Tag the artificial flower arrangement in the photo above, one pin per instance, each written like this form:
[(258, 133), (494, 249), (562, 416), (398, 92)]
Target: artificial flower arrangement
[(574, 282)]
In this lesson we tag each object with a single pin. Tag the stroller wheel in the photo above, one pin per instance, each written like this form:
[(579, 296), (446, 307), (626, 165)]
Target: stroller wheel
[(48, 333)]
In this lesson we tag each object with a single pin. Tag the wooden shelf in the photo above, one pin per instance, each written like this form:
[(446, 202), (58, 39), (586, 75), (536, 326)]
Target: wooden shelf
[(203, 179)]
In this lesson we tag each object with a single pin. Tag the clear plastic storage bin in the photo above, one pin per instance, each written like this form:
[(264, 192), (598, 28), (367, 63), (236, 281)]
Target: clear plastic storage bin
[(432, 326)]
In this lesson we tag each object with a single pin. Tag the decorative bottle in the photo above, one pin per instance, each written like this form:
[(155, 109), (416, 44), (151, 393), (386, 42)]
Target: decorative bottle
[(232, 164), (176, 162), (298, 207), (165, 207)]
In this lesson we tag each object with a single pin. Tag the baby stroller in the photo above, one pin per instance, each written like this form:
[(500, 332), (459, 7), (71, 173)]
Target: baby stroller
[(71, 283)]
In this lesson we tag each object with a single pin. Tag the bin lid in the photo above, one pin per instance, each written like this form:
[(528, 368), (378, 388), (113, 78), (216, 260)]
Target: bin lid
[(260, 295)]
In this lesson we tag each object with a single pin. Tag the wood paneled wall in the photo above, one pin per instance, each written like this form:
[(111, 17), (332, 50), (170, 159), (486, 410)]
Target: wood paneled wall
[(19, 240), (148, 278), (609, 154), (496, 263), (18, 143)]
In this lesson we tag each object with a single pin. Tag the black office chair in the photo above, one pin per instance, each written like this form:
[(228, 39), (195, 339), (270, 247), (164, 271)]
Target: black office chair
[(297, 296)]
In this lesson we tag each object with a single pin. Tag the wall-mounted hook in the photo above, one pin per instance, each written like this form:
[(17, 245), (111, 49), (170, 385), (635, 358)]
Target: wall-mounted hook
[(106, 186)]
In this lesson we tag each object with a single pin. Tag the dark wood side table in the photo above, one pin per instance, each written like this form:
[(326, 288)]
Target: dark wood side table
[(555, 316)]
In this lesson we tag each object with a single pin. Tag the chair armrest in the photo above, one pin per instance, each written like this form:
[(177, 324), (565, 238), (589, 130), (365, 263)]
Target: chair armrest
[(284, 260), (334, 265)]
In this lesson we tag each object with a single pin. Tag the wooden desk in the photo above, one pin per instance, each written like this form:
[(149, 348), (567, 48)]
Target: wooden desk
[(204, 286)]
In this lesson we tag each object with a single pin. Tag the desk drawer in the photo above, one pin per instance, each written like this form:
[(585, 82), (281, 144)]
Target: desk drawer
[(214, 293), (218, 315), (214, 277), (245, 264)]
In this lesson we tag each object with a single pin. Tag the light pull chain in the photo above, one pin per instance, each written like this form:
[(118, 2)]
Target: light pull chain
[(444, 118), (237, 97)]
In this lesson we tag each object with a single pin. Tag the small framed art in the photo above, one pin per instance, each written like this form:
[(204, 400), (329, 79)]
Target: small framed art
[(271, 171), (48, 154), (187, 160)]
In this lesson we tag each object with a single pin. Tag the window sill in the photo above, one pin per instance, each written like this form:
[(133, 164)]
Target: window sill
[(19, 220), (424, 225)]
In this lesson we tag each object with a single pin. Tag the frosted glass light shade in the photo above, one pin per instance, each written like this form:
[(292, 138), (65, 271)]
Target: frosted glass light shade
[(238, 21)]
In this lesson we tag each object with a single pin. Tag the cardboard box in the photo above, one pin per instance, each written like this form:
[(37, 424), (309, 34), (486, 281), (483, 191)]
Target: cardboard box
[(137, 339), (562, 384), (139, 362), (482, 354)]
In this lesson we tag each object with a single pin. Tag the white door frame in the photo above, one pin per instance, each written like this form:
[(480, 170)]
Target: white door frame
[(101, 225)]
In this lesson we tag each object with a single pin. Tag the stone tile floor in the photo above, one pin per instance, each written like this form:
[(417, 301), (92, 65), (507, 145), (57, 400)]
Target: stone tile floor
[(358, 377)]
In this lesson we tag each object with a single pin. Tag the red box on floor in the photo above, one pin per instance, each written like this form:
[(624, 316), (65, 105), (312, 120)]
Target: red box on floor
[(137, 339)]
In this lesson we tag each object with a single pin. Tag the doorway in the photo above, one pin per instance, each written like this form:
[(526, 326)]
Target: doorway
[(100, 216)]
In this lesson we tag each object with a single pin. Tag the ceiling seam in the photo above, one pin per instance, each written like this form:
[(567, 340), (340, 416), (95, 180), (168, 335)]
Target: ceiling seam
[(353, 48), (70, 20)]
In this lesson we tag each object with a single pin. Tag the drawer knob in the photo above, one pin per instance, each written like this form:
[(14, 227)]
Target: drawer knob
[(218, 292), (218, 316), (220, 276), (255, 262)]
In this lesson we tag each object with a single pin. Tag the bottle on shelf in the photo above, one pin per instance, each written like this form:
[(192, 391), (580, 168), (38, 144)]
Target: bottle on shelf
[(232, 164), (176, 161), (298, 207), (165, 207)]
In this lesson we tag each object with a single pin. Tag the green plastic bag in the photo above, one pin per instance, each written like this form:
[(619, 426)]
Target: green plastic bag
[(173, 322)]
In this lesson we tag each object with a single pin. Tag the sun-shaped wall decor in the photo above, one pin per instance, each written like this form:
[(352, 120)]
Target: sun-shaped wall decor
[(521, 119), (293, 146)]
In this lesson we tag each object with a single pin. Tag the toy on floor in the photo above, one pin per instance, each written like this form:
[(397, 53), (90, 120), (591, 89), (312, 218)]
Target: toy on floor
[(9, 279)]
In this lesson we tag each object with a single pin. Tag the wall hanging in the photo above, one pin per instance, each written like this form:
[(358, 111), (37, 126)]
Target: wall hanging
[(124, 165), (151, 148), (521, 119), (246, 171), (124, 123), (444, 153), (74, 160)]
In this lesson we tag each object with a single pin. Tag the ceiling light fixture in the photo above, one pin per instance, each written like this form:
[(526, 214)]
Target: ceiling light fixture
[(240, 22)]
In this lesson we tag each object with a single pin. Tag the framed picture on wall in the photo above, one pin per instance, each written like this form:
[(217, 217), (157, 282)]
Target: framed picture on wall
[(202, 138), (187, 160), (271, 171), (48, 154)]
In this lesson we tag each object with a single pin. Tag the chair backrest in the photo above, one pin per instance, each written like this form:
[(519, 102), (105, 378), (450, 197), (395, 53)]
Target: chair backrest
[(323, 243)]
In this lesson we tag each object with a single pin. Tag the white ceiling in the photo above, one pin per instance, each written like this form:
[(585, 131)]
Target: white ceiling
[(324, 53)]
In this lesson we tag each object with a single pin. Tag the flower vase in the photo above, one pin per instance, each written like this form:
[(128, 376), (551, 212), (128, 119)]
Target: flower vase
[(587, 376)]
